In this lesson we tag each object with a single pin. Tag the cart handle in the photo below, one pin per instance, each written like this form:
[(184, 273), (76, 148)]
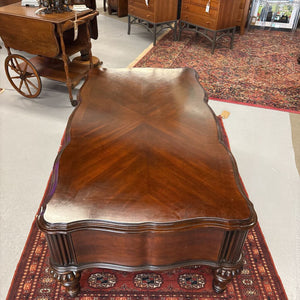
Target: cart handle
[(70, 24)]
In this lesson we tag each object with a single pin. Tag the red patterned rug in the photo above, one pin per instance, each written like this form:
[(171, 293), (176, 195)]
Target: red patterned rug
[(261, 69), (258, 280)]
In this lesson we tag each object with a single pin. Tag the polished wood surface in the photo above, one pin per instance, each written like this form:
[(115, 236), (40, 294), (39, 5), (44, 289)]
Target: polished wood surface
[(157, 147), (221, 14), (144, 180), (153, 14), (16, 9), (157, 11)]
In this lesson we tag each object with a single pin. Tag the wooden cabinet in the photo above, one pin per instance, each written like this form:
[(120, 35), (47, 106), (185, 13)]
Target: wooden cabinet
[(156, 11), (242, 15), (119, 6), (152, 13), (214, 15)]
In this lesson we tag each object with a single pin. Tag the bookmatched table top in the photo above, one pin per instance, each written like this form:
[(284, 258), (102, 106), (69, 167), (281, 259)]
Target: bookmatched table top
[(141, 154), (144, 180)]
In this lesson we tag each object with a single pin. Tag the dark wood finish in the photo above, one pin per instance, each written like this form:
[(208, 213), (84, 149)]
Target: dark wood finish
[(118, 6), (48, 36), (144, 180), (7, 2), (158, 12)]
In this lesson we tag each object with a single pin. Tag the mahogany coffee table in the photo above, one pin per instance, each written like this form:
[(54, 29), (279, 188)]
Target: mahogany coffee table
[(144, 180)]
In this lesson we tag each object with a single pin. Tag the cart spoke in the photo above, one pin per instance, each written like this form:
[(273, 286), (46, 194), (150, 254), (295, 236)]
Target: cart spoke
[(31, 83), (18, 68), (29, 91), (21, 84), (12, 66), (15, 77)]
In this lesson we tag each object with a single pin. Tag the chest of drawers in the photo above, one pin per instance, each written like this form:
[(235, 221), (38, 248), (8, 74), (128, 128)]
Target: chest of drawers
[(156, 11), (211, 14), (152, 13), (216, 17)]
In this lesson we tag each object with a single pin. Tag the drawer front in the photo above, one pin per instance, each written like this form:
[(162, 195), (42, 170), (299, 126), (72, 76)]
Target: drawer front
[(200, 10), (212, 3), (199, 20), (142, 5), (141, 13)]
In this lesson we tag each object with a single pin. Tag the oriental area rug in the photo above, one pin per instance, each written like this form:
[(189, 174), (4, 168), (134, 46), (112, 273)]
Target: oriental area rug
[(261, 69), (258, 280)]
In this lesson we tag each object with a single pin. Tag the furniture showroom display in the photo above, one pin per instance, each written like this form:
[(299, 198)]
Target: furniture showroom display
[(153, 14), (144, 180), (52, 38), (214, 19)]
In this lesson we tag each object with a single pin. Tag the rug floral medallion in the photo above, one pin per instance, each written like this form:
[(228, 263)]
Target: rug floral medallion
[(261, 69), (258, 280)]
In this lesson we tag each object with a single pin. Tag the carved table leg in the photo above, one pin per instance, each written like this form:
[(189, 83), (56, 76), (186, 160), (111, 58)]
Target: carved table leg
[(222, 276), (70, 280)]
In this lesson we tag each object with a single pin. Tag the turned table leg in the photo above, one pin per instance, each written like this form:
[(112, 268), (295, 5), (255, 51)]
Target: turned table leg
[(222, 276), (70, 280)]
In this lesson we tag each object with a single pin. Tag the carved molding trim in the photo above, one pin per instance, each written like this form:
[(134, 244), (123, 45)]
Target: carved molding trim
[(61, 249), (232, 246)]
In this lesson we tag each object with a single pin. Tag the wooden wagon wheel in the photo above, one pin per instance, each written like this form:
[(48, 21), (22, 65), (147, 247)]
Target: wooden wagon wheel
[(23, 76)]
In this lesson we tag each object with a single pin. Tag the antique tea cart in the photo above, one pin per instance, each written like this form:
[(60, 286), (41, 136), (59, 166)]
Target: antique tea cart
[(50, 39)]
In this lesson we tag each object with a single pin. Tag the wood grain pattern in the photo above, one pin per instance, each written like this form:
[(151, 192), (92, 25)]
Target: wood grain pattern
[(157, 11), (29, 35), (16, 9), (221, 14), (156, 152), (144, 180)]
